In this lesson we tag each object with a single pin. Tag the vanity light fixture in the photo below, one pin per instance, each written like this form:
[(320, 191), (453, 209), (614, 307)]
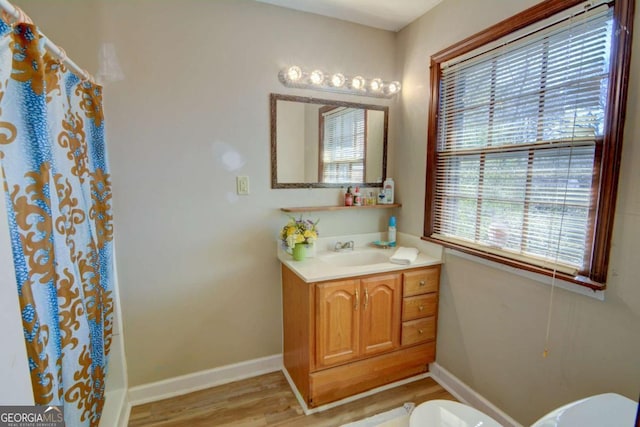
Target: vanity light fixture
[(393, 88), (337, 80), (316, 77), (357, 83), (294, 76), (294, 73), (376, 85)]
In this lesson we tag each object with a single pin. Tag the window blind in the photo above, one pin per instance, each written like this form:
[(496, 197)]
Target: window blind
[(519, 131), (343, 151)]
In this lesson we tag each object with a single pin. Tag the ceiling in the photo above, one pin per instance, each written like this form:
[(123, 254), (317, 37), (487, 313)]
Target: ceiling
[(392, 15)]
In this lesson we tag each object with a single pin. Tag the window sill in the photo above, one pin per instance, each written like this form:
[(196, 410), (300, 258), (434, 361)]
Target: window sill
[(538, 277)]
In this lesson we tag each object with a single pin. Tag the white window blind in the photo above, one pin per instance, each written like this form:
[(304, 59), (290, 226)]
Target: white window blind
[(519, 131), (343, 151)]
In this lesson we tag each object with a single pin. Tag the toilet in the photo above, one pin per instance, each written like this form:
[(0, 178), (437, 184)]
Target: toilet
[(607, 409), (447, 413)]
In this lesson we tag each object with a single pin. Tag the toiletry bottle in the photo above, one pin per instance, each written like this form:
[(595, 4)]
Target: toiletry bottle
[(348, 197), (388, 188), (357, 198), (392, 231)]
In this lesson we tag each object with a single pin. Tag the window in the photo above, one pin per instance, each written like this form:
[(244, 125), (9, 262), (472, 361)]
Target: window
[(342, 144), (525, 132)]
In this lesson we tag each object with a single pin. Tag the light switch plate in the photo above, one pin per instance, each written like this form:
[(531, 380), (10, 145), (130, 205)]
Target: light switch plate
[(242, 185)]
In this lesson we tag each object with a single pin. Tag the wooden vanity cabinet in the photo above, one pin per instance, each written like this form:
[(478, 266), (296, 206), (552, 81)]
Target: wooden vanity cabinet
[(346, 336)]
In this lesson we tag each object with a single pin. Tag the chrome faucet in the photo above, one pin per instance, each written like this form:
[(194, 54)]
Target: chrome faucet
[(346, 246)]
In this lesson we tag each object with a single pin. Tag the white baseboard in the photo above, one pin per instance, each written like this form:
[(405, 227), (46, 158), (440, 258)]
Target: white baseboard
[(467, 395), (189, 383), (184, 384)]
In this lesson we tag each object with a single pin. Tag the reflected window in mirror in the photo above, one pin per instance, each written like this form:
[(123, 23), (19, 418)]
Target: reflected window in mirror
[(319, 143), (342, 144)]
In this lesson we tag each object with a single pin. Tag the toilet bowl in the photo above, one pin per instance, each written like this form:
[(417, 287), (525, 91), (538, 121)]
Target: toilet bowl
[(446, 413), (607, 409)]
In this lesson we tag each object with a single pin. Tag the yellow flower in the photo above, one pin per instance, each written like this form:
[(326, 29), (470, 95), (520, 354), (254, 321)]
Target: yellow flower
[(298, 231)]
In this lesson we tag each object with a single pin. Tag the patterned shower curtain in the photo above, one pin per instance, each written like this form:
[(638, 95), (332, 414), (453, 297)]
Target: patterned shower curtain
[(58, 194)]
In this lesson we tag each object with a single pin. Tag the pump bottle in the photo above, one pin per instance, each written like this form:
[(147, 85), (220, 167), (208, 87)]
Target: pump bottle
[(392, 231)]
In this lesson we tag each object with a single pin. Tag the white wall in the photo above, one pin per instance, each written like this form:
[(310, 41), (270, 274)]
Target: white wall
[(199, 278), (200, 282), (492, 323)]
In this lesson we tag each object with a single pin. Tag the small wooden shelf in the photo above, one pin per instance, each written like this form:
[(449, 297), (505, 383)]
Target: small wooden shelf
[(339, 208)]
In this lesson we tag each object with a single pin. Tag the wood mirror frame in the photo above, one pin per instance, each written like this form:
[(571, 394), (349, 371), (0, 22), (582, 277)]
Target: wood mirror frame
[(274, 98)]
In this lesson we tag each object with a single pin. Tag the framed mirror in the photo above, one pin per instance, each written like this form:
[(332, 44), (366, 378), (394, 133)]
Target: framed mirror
[(319, 143)]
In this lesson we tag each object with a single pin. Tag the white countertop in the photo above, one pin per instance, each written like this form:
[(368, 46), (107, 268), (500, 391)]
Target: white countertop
[(316, 269)]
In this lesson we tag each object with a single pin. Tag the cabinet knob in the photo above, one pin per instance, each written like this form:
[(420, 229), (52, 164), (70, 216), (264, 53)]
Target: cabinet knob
[(421, 308), (422, 283), (420, 331)]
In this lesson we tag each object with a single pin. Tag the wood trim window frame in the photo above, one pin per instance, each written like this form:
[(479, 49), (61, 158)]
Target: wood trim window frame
[(321, 118), (607, 159)]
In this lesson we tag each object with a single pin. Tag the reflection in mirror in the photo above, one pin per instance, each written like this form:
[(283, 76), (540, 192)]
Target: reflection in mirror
[(322, 143)]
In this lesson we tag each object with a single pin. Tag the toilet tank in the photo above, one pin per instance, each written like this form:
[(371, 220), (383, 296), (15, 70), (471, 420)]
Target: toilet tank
[(609, 409)]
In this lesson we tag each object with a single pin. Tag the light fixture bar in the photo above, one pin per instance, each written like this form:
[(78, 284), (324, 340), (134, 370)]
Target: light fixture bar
[(295, 76)]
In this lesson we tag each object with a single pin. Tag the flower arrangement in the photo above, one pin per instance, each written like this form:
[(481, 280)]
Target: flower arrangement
[(299, 231)]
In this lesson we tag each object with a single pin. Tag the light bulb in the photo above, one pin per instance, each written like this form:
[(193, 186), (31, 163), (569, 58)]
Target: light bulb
[(376, 85), (316, 77), (358, 83), (394, 87), (294, 73), (337, 80)]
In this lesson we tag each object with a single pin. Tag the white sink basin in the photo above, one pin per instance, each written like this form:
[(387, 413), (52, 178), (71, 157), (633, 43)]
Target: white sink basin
[(356, 258), (323, 263)]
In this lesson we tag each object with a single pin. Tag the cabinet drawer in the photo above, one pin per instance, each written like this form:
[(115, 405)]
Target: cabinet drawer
[(421, 281), (420, 330), (419, 306)]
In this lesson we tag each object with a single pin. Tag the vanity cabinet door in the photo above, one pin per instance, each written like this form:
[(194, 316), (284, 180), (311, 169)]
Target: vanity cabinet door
[(381, 304), (337, 321)]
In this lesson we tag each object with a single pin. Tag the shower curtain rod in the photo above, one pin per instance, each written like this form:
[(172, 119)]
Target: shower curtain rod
[(17, 14)]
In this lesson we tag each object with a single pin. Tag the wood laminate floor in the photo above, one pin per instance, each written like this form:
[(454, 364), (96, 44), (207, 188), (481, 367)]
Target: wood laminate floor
[(267, 400)]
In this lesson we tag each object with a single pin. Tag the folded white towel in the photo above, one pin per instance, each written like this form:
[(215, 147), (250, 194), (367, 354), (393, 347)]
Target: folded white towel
[(404, 256)]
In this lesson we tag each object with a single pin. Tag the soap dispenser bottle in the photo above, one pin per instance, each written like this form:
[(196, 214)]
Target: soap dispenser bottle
[(392, 231)]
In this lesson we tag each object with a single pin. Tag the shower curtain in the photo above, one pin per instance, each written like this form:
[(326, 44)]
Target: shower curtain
[(58, 193)]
